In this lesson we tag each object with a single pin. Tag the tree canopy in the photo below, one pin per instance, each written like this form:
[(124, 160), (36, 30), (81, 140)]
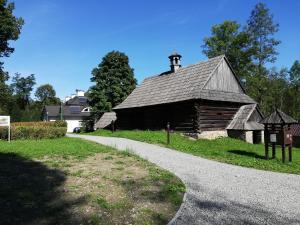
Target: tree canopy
[(251, 50), (46, 95), (227, 39), (10, 28), (114, 81), (22, 88), (261, 29)]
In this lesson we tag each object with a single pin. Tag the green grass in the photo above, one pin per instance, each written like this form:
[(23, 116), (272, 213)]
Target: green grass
[(64, 181), (226, 150), (63, 147)]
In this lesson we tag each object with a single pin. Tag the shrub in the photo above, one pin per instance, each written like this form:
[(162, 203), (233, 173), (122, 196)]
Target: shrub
[(35, 130), (58, 123)]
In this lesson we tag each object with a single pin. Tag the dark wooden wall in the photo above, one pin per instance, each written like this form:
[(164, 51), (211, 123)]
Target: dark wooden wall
[(214, 115), (180, 115), (190, 116)]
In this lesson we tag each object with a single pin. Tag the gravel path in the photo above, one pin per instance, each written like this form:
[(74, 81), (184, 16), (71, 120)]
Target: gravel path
[(219, 193)]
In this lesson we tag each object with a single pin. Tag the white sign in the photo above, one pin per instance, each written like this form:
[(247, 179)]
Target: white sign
[(272, 137), (5, 122)]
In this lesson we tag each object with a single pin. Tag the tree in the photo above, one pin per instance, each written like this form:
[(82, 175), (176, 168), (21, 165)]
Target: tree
[(46, 95), (5, 95), (261, 29), (114, 81), (22, 88), (10, 28), (294, 79), (227, 39), (295, 74), (277, 90)]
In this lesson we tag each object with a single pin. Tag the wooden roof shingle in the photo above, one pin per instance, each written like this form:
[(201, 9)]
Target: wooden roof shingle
[(185, 84), (279, 117), (242, 121), (105, 120)]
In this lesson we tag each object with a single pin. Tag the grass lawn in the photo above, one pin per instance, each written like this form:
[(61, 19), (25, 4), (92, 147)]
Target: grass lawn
[(223, 149), (71, 181)]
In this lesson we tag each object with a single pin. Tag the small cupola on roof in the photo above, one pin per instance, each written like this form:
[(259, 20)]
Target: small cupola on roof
[(175, 61)]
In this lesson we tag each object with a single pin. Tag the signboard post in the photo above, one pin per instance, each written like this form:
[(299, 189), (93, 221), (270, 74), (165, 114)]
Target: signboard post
[(5, 122)]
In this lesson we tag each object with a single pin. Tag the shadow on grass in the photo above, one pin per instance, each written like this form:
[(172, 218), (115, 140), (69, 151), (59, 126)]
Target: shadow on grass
[(32, 193), (248, 154)]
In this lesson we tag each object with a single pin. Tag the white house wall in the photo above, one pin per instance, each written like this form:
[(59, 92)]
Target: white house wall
[(72, 124)]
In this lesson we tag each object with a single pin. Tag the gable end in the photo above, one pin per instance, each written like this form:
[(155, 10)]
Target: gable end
[(224, 79)]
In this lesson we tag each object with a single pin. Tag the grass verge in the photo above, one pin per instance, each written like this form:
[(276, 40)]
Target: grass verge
[(71, 181), (226, 150)]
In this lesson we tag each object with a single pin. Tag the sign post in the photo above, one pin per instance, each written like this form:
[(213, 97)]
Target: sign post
[(5, 122)]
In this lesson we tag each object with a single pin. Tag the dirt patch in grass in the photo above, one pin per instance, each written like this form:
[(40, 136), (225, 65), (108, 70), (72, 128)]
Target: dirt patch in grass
[(106, 188)]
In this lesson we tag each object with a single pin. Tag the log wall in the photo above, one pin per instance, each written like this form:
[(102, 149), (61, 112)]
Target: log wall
[(213, 115), (191, 116), (181, 117)]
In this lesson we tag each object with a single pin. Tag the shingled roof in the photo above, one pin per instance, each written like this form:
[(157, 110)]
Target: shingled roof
[(186, 83), (75, 111), (243, 121), (105, 120), (279, 117)]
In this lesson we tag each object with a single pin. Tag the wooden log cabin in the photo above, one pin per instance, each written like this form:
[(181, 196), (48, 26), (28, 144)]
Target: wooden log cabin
[(201, 99)]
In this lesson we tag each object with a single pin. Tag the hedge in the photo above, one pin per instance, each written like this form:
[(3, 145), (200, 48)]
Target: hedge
[(58, 123), (35, 130)]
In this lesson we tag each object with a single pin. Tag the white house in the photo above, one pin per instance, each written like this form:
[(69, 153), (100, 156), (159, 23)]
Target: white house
[(74, 110)]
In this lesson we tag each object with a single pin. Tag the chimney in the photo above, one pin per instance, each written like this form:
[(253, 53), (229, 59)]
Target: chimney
[(175, 61), (79, 93)]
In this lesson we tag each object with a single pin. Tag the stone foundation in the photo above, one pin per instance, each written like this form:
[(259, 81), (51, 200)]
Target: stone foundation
[(212, 134)]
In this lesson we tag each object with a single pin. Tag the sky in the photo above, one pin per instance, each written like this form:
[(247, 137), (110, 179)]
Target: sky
[(63, 40)]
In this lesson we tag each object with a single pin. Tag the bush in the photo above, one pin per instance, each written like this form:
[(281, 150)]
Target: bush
[(35, 130), (58, 123)]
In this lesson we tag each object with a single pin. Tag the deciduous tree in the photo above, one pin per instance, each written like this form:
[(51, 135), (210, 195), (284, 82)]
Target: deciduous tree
[(22, 88), (227, 38), (10, 28), (114, 81), (46, 95)]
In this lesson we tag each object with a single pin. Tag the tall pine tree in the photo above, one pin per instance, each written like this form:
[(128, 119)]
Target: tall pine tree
[(261, 29)]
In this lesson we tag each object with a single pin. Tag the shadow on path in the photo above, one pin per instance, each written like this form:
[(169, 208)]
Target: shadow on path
[(32, 193), (226, 212)]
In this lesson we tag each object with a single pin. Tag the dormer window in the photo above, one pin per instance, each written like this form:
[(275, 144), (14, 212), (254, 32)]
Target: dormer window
[(87, 109)]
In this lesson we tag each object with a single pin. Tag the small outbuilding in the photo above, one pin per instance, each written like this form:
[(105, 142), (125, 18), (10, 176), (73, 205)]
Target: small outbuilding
[(245, 124)]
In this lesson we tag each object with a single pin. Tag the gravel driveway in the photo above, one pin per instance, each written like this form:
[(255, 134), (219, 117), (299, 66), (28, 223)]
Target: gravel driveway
[(219, 193)]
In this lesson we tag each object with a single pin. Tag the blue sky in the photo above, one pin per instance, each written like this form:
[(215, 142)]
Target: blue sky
[(63, 40)]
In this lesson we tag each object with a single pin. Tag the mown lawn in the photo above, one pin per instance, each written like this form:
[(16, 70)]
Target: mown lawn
[(71, 181), (226, 150)]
